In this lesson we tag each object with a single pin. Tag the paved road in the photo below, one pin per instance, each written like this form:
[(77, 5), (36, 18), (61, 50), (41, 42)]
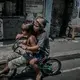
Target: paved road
[(63, 46), (70, 68), (70, 71)]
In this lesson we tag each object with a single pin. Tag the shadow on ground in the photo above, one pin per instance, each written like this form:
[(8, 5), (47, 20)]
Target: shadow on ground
[(26, 76)]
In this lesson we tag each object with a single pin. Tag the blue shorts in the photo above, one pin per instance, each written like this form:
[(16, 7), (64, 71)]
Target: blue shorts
[(39, 56), (29, 56)]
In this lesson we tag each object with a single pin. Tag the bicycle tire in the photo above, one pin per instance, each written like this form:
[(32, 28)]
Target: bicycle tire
[(48, 67)]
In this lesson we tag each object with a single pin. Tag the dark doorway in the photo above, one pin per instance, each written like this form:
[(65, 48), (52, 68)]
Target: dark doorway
[(66, 16), (61, 14)]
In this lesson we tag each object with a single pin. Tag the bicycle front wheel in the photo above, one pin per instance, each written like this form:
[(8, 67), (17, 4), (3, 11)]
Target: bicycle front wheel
[(52, 66)]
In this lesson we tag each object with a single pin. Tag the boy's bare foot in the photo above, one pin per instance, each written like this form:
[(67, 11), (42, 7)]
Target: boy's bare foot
[(38, 77)]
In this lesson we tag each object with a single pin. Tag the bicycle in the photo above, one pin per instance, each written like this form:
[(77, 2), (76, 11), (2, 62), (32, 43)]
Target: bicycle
[(48, 65)]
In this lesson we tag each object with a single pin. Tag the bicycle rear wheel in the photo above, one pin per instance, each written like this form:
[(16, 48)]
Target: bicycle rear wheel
[(52, 66)]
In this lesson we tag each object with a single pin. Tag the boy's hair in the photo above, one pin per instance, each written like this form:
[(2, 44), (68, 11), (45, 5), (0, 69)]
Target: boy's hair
[(28, 27), (42, 21)]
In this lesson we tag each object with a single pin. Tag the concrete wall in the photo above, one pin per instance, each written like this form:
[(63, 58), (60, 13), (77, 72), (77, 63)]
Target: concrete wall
[(11, 27), (12, 24), (57, 16), (75, 19)]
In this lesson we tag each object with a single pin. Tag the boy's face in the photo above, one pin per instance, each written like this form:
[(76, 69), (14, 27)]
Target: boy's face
[(36, 26), (24, 32)]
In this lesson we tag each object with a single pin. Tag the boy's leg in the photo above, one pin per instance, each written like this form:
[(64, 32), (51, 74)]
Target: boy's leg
[(13, 64), (9, 58), (21, 59), (17, 62), (35, 66), (12, 56)]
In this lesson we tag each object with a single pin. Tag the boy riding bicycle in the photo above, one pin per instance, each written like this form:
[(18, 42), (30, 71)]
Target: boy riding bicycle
[(42, 44), (15, 60), (38, 50)]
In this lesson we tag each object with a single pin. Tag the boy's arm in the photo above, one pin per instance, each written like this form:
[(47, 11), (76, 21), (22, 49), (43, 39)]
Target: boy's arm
[(19, 36), (40, 43), (33, 42)]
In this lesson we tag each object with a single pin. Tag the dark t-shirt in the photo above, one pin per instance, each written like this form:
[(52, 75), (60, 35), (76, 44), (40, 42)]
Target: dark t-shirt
[(43, 42)]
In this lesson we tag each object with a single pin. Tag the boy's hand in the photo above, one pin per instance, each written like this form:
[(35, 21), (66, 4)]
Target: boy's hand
[(23, 46), (19, 36)]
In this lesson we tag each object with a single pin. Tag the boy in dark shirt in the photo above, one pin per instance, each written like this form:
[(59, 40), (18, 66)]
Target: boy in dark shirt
[(42, 46)]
